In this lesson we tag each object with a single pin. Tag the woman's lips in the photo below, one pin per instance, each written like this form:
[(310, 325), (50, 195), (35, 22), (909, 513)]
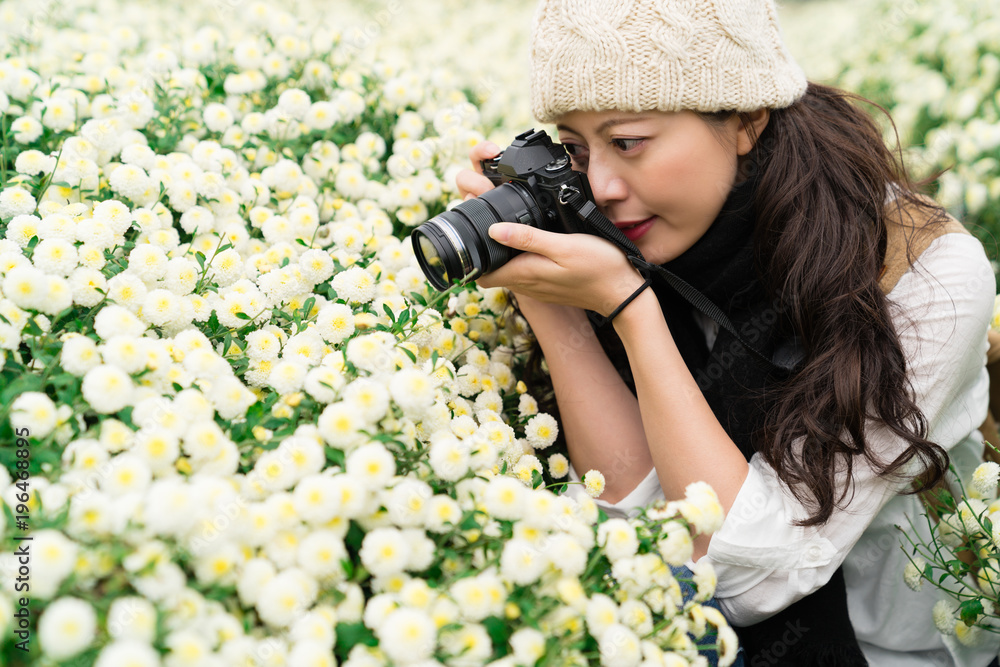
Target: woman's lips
[(633, 230)]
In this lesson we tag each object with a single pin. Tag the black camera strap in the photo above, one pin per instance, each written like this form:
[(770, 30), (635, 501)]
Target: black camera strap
[(589, 212)]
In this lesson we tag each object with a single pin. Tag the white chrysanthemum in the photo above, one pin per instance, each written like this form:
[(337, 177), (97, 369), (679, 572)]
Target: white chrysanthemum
[(287, 377), (286, 597), (504, 498), (147, 262), (335, 323), (115, 213), (158, 447), (217, 117), (449, 457), (443, 513), (522, 562), (114, 320), (132, 617), (35, 411), (913, 573), (618, 538), (323, 383), (132, 182), (355, 285), (67, 627), (407, 635), (593, 482), (372, 464), (944, 617), (320, 554), (675, 545), (558, 466), (58, 113), (384, 552), (161, 307), (15, 201), (34, 162), (306, 347), (125, 352), (55, 256), (369, 397), (127, 289), (701, 507), (526, 467), (79, 355), (26, 129), (406, 502), (53, 559), (27, 287), (126, 473), (528, 645), (107, 388), (316, 265), (339, 424), (412, 390), (131, 652), (984, 479), (262, 344), (87, 285), (619, 647)]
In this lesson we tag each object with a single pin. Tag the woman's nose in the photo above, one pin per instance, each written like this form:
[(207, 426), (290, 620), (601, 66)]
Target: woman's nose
[(606, 184)]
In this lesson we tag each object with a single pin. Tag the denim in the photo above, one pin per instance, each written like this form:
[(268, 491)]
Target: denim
[(684, 578)]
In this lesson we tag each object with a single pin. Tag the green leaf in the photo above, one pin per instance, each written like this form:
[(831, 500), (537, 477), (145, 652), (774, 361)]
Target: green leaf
[(970, 610), (350, 635), (243, 316)]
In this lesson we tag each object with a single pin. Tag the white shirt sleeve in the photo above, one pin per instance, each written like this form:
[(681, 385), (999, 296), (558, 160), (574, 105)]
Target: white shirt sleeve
[(941, 308)]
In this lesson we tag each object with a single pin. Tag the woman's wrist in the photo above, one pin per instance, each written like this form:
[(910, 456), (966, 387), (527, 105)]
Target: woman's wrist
[(637, 313)]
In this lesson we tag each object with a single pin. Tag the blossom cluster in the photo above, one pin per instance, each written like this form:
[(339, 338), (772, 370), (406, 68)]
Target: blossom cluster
[(258, 436)]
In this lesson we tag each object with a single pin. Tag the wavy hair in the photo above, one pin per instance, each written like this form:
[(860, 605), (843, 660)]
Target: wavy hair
[(822, 205)]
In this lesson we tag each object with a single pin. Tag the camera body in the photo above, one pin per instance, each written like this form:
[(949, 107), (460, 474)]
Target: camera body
[(544, 168), (532, 177)]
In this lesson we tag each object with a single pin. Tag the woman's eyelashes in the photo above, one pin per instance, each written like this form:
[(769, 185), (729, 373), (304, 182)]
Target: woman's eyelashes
[(627, 145)]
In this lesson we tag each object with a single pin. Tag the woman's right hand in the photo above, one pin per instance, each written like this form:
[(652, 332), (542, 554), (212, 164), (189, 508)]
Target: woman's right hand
[(471, 182)]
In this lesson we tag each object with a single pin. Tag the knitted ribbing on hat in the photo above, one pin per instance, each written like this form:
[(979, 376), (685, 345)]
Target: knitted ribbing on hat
[(667, 55)]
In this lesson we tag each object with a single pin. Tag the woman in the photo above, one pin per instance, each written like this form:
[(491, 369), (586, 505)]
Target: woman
[(779, 201)]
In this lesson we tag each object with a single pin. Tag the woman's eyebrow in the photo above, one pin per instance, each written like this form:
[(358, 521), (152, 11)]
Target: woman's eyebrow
[(611, 122)]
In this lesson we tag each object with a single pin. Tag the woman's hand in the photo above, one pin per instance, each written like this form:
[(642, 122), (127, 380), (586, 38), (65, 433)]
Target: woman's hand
[(579, 270), (472, 183)]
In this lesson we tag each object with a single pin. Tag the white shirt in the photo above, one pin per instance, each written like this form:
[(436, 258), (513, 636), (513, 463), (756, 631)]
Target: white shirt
[(941, 308)]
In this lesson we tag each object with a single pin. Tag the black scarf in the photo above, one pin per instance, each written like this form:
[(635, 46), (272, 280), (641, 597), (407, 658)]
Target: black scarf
[(816, 631)]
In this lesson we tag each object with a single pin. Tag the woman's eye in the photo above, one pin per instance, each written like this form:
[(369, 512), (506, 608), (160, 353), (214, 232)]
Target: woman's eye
[(626, 145), (575, 150)]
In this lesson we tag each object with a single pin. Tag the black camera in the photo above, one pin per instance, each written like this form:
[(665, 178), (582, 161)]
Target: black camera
[(534, 180)]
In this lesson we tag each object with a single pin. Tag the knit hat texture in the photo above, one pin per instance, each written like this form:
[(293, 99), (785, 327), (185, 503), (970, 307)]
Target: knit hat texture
[(666, 55)]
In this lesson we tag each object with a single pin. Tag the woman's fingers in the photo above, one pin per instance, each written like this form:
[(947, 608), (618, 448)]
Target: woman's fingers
[(484, 150), (471, 182)]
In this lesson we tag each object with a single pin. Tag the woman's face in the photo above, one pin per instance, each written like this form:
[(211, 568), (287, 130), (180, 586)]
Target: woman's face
[(660, 177)]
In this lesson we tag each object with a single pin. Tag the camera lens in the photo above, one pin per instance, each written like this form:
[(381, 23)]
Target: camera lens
[(456, 246)]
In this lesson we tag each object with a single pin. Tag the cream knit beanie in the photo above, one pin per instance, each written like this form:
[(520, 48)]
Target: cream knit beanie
[(667, 55)]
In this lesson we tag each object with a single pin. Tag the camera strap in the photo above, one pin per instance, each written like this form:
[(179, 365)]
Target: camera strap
[(604, 228)]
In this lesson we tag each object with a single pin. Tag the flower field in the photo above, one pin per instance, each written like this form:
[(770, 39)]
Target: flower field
[(238, 427)]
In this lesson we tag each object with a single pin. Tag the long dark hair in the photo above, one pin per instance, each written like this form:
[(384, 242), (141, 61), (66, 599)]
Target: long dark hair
[(825, 175), (828, 184)]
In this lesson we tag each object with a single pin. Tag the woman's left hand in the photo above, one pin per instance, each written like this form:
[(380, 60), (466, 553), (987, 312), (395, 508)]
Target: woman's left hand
[(580, 270)]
